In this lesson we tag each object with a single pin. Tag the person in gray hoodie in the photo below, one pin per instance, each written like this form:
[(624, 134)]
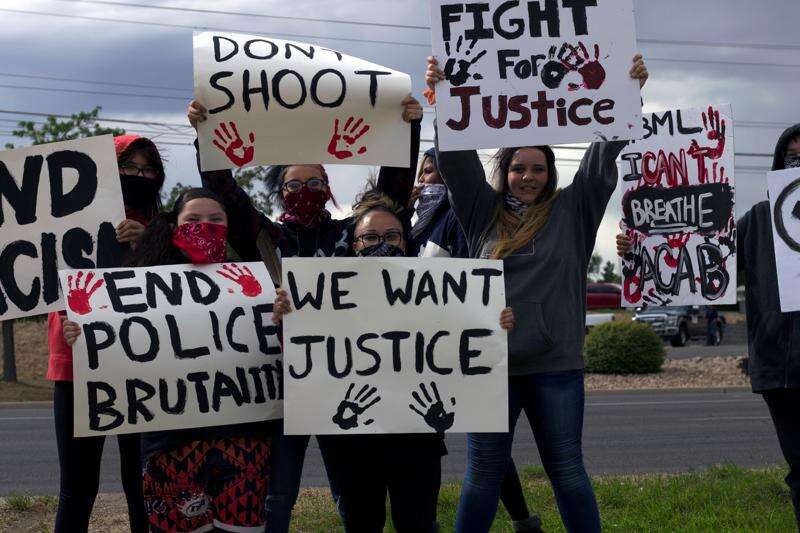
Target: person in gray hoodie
[(545, 237), (773, 338)]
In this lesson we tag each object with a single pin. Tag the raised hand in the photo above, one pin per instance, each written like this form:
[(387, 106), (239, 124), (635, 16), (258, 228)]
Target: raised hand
[(230, 142), (507, 319), (71, 330), (456, 68), (79, 294), (342, 142), (282, 305), (432, 409), (196, 113), (347, 413), (242, 276)]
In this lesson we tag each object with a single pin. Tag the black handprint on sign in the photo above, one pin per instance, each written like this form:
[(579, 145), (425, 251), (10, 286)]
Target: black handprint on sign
[(462, 75), (346, 416), (433, 410), (556, 68)]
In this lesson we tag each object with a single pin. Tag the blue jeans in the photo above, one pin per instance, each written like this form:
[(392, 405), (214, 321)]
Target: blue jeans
[(553, 403), (286, 468)]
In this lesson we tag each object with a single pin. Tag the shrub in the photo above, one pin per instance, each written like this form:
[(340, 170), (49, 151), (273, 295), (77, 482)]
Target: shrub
[(626, 347)]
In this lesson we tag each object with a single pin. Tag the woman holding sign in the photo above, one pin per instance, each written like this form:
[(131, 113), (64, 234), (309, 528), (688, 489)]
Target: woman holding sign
[(545, 236), (141, 176), (210, 478), (305, 229)]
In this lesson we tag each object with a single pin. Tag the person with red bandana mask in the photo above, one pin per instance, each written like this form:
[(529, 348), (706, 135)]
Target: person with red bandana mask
[(305, 229), (224, 487), (141, 176)]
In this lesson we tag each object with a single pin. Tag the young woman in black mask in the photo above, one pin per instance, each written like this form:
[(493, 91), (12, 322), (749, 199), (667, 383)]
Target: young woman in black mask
[(304, 229), (142, 176)]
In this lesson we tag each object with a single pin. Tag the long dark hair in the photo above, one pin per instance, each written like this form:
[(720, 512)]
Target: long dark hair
[(148, 150), (273, 183), (155, 247)]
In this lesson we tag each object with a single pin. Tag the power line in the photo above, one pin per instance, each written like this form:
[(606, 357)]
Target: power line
[(91, 82), (83, 91), (679, 42), (99, 119)]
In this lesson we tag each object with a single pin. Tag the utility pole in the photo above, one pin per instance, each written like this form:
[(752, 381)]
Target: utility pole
[(9, 359)]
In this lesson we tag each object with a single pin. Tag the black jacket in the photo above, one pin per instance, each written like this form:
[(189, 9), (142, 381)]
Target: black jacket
[(773, 337)]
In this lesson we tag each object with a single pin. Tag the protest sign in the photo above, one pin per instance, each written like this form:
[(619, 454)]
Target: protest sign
[(59, 206), (784, 197), (678, 209), (395, 345), (172, 347), (539, 72), (271, 101)]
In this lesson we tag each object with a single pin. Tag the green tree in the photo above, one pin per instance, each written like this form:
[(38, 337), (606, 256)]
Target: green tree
[(594, 267), (249, 179), (79, 125), (609, 274)]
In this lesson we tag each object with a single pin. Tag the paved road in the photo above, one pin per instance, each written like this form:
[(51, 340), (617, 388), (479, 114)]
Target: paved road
[(698, 349), (625, 432)]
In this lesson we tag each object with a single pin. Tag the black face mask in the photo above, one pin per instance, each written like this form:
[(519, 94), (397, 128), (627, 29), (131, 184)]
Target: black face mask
[(140, 194), (381, 250)]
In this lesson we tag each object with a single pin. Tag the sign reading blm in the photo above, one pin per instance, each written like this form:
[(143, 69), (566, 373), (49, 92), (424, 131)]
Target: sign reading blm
[(271, 101), (395, 345), (538, 72), (173, 347), (59, 206), (678, 210)]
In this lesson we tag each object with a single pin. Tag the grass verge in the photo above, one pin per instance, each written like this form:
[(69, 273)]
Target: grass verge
[(724, 498)]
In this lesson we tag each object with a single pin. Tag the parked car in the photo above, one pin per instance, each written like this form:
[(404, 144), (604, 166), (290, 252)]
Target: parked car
[(595, 319), (679, 325), (603, 296)]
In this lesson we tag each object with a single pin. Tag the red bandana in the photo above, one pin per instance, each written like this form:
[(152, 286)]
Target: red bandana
[(306, 207), (203, 242)]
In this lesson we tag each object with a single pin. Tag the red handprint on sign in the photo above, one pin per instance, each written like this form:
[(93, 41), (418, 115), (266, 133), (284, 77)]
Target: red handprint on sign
[(591, 70), (715, 132), (675, 241), (231, 143), (242, 276), (350, 134), (79, 295)]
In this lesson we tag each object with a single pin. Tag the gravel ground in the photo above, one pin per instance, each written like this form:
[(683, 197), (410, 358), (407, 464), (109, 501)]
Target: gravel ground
[(692, 373)]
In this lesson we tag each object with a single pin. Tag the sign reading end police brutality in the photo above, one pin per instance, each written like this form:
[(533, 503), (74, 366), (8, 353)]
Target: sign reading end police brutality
[(271, 101), (395, 345), (534, 72), (173, 347), (59, 206), (678, 210)]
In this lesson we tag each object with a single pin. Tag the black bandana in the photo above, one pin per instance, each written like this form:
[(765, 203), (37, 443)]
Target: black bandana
[(515, 205), (381, 250)]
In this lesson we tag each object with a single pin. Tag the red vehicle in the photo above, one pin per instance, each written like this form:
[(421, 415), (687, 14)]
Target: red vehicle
[(603, 296)]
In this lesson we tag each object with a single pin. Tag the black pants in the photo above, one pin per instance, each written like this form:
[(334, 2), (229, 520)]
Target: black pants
[(408, 467), (784, 406), (512, 496), (79, 459)]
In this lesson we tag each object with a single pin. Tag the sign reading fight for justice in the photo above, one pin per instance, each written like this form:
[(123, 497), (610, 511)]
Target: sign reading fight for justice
[(678, 209), (784, 196), (173, 347), (536, 72), (272, 101), (395, 345), (59, 206)]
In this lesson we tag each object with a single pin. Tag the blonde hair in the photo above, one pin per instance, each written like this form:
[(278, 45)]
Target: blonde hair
[(514, 231)]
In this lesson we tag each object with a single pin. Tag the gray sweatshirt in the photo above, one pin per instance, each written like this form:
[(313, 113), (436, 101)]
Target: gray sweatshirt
[(546, 279)]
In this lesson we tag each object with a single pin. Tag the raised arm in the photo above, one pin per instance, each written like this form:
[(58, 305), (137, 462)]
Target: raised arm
[(398, 182)]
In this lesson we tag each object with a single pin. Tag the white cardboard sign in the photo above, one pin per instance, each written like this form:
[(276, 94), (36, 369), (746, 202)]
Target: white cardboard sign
[(59, 206), (173, 347), (784, 197), (528, 73), (678, 207), (395, 345), (272, 101)]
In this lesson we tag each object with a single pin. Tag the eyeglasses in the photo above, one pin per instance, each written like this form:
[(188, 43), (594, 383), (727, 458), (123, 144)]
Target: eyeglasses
[(392, 237), (314, 184), (131, 169)]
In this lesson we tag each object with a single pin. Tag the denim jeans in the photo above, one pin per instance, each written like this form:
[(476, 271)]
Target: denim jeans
[(783, 406), (286, 468), (553, 403)]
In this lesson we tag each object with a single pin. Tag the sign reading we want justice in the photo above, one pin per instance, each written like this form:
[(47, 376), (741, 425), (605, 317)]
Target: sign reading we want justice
[(537, 72)]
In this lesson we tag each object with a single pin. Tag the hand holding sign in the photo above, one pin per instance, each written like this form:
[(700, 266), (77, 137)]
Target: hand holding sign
[(78, 297), (346, 416), (242, 276), (232, 144), (433, 410)]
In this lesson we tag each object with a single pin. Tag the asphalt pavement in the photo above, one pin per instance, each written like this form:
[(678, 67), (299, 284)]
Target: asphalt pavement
[(628, 432)]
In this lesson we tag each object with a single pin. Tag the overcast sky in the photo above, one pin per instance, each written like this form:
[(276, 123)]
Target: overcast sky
[(764, 94)]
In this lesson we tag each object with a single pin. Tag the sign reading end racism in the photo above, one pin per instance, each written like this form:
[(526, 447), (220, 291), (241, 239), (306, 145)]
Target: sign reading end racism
[(59, 206), (271, 101), (395, 346), (173, 347), (678, 210), (784, 196), (536, 72)]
